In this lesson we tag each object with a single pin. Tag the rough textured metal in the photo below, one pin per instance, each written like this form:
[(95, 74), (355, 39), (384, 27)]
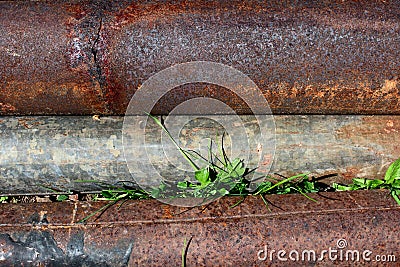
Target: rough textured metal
[(89, 57), (56, 151), (47, 65), (148, 233)]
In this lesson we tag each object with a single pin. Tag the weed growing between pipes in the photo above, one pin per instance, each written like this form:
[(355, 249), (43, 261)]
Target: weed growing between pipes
[(229, 177), (301, 183), (219, 175), (390, 182)]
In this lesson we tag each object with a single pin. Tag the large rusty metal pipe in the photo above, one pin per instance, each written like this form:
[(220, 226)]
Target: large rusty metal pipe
[(41, 152), (354, 229), (89, 57)]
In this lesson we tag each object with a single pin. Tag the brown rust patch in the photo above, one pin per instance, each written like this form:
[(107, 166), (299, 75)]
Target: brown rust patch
[(51, 98), (390, 85), (350, 173), (167, 212), (378, 133), (6, 108), (48, 66), (151, 12), (333, 76)]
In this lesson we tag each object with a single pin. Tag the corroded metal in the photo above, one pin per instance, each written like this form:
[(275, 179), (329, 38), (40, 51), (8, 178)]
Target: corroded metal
[(148, 233), (38, 153), (47, 65), (89, 57)]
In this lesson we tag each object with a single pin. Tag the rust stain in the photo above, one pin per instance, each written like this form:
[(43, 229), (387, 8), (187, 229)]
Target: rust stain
[(341, 21), (350, 173), (152, 12), (389, 86), (53, 72), (377, 133), (264, 166), (167, 213), (6, 108), (23, 122), (50, 98)]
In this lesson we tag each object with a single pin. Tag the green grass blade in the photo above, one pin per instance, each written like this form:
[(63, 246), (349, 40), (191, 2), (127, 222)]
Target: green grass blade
[(239, 202), (183, 152), (304, 194), (265, 202), (102, 209), (264, 190)]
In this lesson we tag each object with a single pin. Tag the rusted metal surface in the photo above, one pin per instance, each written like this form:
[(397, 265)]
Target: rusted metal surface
[(46, 62), (84, 57), (148, 233), (56, 151)]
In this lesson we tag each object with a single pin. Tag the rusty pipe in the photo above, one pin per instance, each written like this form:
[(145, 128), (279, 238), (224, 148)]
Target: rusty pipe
[(355, 227), (89, 57)]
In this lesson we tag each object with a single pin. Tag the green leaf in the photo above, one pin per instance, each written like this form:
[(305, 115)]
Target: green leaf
[(396, 184), (223, 191), (203, 176), (264, 189), (155, 192), (62, 197), (107, 194), (224, 176), (162, 186), (233, 170), (183, 185), (360, 182), (373, 184), (395, 194), (213, 192), (393, 172), (341, 187), (237, 167)]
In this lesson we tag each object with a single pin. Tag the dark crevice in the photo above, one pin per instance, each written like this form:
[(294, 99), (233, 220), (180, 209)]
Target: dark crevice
[(94, 48), (97, 69)]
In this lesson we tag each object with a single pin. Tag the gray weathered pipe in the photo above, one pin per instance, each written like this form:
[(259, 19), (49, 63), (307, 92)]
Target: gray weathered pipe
[(56, 151), (89, 57)]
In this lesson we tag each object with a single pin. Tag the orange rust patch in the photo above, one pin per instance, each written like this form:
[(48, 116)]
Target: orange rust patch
[(389, 86), (266, 161), (4, 107), (350, 173), (379, 133), (45, 97), (167, 213)]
